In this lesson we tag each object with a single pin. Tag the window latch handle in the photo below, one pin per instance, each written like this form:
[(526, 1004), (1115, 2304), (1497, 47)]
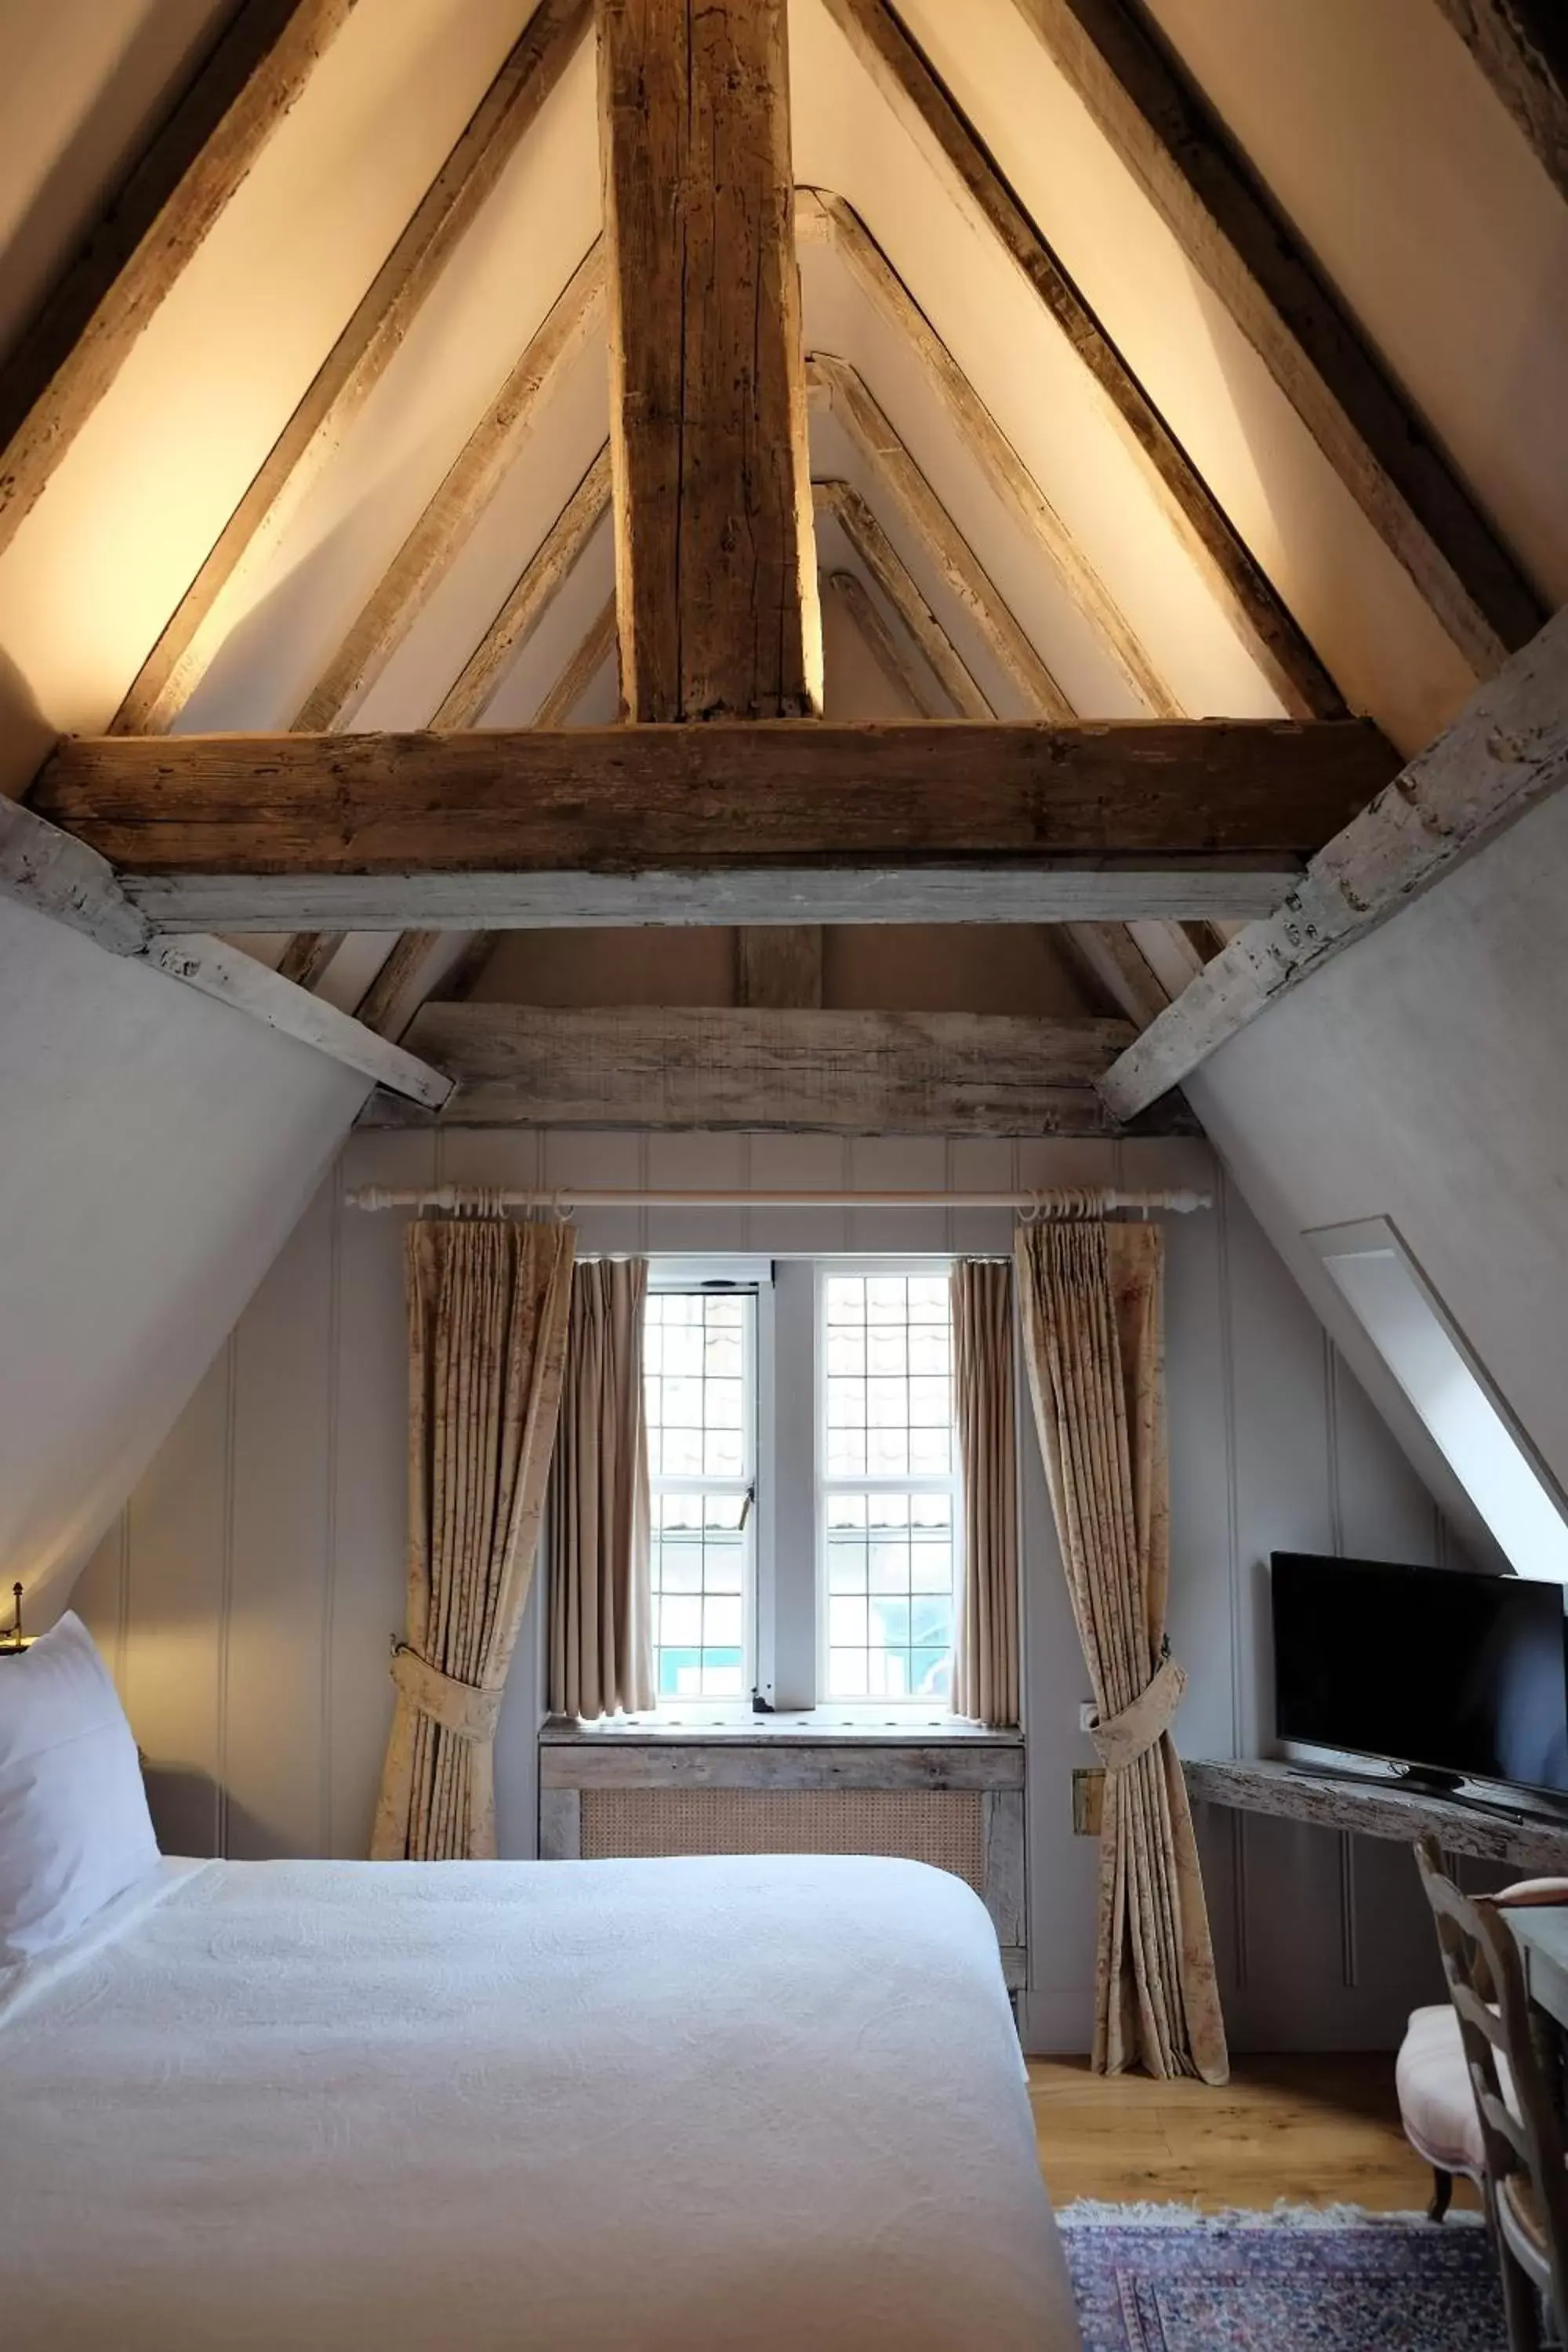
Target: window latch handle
[(747, 1499)]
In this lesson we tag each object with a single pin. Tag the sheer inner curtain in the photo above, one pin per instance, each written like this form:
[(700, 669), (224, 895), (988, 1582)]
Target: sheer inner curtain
[(601, 1646), (488, 1305), (985, 1667), (1089, 1295)]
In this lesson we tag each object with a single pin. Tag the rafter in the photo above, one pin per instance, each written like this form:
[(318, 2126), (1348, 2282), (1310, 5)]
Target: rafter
[(1233, 577), (1506, 753), (305, 958), (1522, 47), (869, 427), (826, 219), (71, 352), (393, 996), (898, 584), (847, 591), (465, 491), (1236, 240), (580, 669), (352, 368), (539, 583)]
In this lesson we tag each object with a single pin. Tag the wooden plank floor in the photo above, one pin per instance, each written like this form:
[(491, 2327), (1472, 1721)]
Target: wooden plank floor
[(1315, 2130)]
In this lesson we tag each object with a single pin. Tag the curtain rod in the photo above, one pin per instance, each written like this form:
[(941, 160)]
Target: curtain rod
[(1087, 1201)]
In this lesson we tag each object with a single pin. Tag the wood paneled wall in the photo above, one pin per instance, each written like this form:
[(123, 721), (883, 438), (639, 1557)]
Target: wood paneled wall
[(247, 1597)]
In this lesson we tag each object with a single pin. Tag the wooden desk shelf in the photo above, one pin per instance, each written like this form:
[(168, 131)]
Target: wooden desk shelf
[(1379, 1809)]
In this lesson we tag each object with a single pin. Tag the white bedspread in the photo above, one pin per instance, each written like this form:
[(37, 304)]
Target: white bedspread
[(658, 2106)]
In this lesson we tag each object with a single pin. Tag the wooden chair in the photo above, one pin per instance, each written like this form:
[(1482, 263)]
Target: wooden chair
[(1512, 2069)]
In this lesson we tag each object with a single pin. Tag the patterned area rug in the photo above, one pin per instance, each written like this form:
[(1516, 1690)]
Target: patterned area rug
[(1167, 2280)]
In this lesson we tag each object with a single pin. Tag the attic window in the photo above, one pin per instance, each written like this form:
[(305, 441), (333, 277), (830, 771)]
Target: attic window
[(1462, 1412)]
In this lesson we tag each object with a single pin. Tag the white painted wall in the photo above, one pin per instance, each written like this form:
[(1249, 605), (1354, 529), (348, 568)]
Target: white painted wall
[(155, 1150), (1423, 1077), (248, 1595)]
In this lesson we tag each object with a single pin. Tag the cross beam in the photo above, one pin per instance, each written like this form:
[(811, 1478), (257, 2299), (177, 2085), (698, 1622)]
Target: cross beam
[(659, 824)]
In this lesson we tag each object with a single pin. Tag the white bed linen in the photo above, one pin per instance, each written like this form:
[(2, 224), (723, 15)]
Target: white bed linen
[(663, 2106)]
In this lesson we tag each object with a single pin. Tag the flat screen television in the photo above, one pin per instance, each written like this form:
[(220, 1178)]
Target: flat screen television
[(1453, 1674)]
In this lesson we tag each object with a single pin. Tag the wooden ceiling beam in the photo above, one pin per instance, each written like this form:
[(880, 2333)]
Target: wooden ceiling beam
[(849, 594), (1233, 576), (394, 995), (1505, 753), (352, 368), (44, 869), (305, 958), (469, 483), (826, 219), (1236, 241), (799, 1071), (871, 432), (1522, 47), (1165, 817), (716, 569), (72, 350), (892, 575), (553, 564)]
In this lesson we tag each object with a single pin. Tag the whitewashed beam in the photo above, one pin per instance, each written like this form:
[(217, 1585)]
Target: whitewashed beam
[(46, 869), (1506, 753), (1047, 890), (235, 978), (809, 1072)]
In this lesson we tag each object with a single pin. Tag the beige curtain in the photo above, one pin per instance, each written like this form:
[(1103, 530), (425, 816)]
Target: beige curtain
[(1089, 1299), (600, 1652), (488, 1307), (985, 1664)]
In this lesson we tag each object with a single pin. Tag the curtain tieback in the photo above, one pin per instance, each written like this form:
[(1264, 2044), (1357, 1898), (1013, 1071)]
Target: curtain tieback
[(1126, 1736), (467, 1710)]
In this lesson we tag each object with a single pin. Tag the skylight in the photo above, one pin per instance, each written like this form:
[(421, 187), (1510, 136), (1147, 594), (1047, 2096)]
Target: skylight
[(1462, 1412)]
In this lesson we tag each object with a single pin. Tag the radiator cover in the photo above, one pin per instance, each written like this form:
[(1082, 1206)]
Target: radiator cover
[(943, 1827)]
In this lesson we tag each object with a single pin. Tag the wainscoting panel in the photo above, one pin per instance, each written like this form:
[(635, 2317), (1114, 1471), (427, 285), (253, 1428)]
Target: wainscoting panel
[(249, 1596)]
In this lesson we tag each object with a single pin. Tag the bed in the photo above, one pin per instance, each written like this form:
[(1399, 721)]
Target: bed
[(697, 2104)]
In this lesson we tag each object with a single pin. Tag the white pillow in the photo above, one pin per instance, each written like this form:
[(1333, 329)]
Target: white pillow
[(74, 1825)]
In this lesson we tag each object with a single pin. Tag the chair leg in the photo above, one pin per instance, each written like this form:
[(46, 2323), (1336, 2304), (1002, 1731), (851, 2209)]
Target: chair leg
[(1442, 2193), (1521, 2305)]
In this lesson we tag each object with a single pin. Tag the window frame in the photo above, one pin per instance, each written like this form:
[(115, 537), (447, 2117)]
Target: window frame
[(1379, 1237), (824, 1269), (750, 1279)]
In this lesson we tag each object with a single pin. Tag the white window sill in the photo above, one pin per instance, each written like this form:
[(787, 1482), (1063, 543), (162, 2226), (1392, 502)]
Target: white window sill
[(911, 1726)]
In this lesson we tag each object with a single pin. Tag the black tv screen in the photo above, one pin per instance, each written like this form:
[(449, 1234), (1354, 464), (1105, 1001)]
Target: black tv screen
[(1423, 1666)]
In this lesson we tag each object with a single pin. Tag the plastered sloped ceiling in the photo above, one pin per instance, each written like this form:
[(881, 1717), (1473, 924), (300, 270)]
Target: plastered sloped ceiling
[(1391, 194)]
